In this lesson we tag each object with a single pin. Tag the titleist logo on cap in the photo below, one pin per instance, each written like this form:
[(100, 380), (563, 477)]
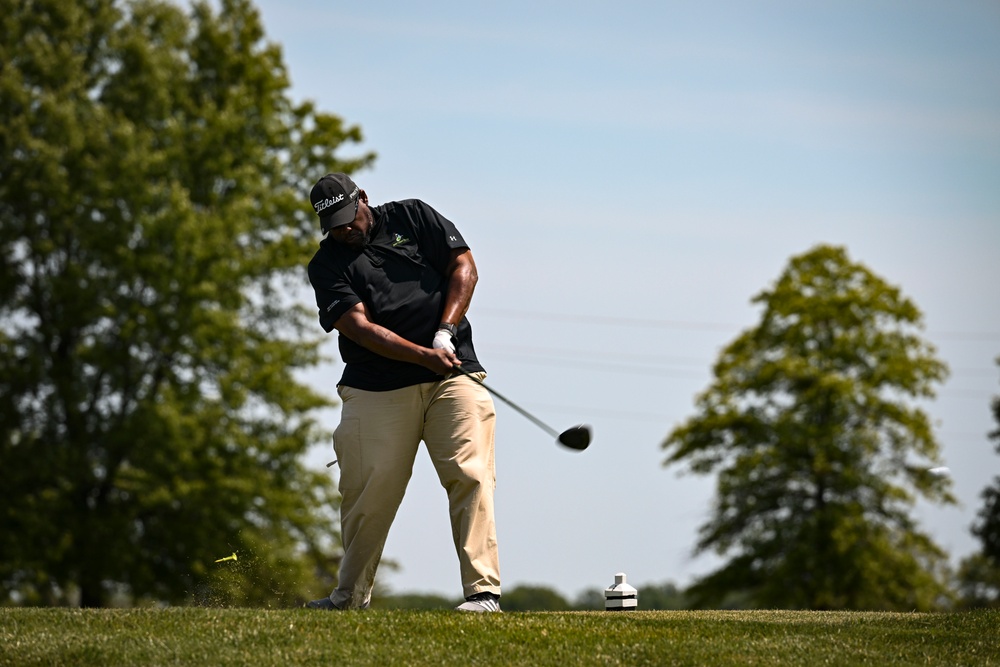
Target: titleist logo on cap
[(321, 206)]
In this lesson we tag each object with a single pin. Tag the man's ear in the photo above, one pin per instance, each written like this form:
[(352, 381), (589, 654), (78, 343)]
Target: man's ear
[(363, 196)]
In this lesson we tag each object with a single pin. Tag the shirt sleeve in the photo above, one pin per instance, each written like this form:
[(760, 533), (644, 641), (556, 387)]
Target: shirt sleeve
[(437, 235), (334, 296)]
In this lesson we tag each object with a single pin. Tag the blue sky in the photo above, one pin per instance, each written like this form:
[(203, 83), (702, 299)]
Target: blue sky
[(629, 175)]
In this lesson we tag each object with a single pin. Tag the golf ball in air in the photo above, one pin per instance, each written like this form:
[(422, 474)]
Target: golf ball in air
[(939, 472)]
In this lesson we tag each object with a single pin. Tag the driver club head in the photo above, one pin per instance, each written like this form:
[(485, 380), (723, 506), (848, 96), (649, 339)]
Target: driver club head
[(577, 438)]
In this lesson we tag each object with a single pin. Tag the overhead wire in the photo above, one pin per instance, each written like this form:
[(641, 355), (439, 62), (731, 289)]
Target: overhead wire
[(657, 365), (609, 320), (653, 364)]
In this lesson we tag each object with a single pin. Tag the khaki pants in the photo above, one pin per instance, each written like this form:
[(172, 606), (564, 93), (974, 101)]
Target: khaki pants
[(376, 444)]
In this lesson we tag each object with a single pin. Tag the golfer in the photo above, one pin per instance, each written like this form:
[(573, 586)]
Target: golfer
[(395, 281)]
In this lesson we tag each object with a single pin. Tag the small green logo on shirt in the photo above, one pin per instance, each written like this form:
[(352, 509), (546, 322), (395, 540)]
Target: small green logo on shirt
[(400, 240)]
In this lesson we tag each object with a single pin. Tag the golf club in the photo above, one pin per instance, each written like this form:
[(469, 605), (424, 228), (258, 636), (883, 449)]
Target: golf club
[(577, 438)]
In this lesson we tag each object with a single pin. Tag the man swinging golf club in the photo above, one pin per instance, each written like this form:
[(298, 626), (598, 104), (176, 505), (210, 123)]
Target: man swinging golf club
[(396, 281)]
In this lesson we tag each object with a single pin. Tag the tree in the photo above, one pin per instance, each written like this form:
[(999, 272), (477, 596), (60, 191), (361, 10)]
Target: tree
[(662, 596), (979, 574), (534, 598), (152, 230), (589, 599), (819, 449), (651, 597), (987, 526)]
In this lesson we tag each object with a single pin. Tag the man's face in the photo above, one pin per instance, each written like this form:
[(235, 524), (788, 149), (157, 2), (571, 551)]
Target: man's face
[(355, 234)]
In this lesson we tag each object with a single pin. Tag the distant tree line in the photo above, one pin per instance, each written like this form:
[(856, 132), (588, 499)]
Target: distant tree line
[(524, 597)]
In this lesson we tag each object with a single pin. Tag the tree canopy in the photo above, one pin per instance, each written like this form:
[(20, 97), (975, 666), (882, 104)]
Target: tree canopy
[(813, 424), (154, 227)]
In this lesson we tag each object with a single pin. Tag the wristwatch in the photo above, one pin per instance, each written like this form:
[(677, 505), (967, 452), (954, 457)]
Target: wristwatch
[(450, 328)]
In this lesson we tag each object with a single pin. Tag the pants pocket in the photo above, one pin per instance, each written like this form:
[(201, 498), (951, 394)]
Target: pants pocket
[(347, 445)]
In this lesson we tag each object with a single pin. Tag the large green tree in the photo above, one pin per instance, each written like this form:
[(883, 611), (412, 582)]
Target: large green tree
[(153, 231), (813, 424)]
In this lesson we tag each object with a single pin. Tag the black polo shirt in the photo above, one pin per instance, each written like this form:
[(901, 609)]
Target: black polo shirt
[(400, 277)]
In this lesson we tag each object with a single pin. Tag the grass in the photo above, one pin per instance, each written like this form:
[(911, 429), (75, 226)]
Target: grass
[(199, 636)]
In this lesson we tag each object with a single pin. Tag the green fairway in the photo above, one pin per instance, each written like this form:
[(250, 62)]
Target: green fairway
[(198, 636)]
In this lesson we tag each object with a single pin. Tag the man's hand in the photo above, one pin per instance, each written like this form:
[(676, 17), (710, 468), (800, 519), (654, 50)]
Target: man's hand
[(439, 360), (443, 341)]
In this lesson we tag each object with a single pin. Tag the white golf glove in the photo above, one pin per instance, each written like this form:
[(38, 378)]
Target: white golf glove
[(443, 341)]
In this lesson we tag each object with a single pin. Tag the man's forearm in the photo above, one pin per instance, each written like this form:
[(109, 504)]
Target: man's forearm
[(355, 325), (462, 279), (386, 343)]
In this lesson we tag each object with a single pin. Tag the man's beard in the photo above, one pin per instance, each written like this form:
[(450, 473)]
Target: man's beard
[(371, 226)]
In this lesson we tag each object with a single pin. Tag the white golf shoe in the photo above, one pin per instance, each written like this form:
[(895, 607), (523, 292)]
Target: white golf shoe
[(481, 602)]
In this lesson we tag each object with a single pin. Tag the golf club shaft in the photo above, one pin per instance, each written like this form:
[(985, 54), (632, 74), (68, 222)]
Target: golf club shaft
[(538, 422)]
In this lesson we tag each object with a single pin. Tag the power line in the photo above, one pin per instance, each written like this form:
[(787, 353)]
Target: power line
[(650, 364), (605, 320), (651, 323), (953, 437), (606, 412), (602, 354), (984, 395), (966, 335), (605, 366)]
